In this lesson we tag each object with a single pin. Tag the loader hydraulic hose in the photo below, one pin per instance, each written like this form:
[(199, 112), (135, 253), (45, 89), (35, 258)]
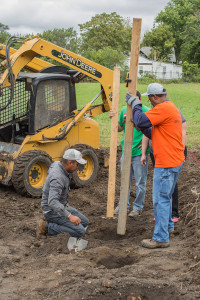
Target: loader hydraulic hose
[(63, 134)]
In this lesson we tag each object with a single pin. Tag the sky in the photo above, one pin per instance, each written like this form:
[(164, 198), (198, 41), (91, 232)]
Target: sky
[(36, 16)]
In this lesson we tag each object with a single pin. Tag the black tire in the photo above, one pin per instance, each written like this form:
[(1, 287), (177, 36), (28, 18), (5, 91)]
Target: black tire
[(90, 171), (30, 172)]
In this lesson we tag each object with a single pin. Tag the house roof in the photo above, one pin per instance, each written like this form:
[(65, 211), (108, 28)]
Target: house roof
[(146, 52)]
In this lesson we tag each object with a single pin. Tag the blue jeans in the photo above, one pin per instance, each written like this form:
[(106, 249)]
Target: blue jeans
[(57, 224), (140, 174), (164, 181)]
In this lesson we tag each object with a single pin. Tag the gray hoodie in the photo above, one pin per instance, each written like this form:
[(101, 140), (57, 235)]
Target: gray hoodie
[(56, 189)]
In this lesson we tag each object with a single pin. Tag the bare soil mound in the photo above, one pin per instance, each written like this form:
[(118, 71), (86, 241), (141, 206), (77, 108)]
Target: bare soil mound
[(112, 266)]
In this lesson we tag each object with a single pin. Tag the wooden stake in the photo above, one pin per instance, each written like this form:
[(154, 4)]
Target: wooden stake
[(113, 144), (132, 88)]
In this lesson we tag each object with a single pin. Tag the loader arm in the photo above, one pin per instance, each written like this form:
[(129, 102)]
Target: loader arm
[(35, 46), (36, 65)]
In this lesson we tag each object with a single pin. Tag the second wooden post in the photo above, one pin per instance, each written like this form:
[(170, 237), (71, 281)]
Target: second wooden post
[(113, 144)]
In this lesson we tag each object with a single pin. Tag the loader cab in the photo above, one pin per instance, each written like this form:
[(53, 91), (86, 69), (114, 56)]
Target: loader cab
[(52, 99), (40, 100)]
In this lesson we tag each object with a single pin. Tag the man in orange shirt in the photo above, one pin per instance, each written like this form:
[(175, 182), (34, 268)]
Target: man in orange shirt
[(163, 125)]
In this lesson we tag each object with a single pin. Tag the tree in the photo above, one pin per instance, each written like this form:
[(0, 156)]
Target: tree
[(182, 23), (4, 35), (65, 38), (190, 48), (176, 15), (106, 30), (161, 40), (107, 57)]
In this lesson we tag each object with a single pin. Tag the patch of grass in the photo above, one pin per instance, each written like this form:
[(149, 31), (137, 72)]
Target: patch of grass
[(186, 97)]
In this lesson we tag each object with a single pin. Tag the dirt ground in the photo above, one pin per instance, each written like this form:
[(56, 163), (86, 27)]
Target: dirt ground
[(112, 266)]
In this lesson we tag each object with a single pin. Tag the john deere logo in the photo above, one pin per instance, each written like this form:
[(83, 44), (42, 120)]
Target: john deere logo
[(76, 62)]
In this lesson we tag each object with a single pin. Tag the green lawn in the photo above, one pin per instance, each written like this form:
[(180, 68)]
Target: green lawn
[(186, 96)]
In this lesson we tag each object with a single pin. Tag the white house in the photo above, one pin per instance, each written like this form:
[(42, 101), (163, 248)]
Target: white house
[(161, 70)]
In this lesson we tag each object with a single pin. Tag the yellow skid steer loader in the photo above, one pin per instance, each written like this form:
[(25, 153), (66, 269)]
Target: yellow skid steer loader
[(39, 118)]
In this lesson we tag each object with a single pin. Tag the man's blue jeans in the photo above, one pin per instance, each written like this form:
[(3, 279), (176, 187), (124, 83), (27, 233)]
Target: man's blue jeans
[(140, 174), (164, 181), (57, 224)]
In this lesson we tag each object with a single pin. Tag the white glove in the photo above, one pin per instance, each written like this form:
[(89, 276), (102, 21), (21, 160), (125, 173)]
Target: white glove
[(132, 100)]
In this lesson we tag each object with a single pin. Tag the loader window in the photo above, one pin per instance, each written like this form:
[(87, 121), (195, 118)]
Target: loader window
[(19, 105), (52, 103)]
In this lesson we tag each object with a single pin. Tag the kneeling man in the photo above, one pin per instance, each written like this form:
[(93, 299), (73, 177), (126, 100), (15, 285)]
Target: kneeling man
[(59, 216)]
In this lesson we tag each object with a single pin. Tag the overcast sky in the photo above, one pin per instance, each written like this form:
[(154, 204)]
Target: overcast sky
[(35, 16)]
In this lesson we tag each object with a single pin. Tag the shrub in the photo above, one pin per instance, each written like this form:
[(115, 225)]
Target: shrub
[(190, 72)]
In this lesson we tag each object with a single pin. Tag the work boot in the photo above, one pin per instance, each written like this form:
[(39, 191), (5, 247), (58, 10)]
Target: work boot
[(41, 229), (135, 213), (116, 211), (152, 244)]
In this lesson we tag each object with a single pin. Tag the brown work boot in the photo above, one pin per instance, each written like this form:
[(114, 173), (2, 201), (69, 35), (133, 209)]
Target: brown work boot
[(152, 244), (41, 229)]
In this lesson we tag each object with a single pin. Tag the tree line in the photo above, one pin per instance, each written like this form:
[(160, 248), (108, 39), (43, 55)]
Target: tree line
[(106, 38)]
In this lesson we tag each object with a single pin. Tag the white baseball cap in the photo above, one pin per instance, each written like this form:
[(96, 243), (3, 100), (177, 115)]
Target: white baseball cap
[(155, 89), (72, 154)]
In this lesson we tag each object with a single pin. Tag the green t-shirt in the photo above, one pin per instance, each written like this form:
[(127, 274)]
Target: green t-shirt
[(137, 135)]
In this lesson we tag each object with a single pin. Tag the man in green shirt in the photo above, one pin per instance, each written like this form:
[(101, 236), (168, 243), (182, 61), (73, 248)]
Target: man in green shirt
[(137, 170)]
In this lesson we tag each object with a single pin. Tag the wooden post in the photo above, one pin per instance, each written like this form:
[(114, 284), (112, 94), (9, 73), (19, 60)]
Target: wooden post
[(113, 144), (132, 88)]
